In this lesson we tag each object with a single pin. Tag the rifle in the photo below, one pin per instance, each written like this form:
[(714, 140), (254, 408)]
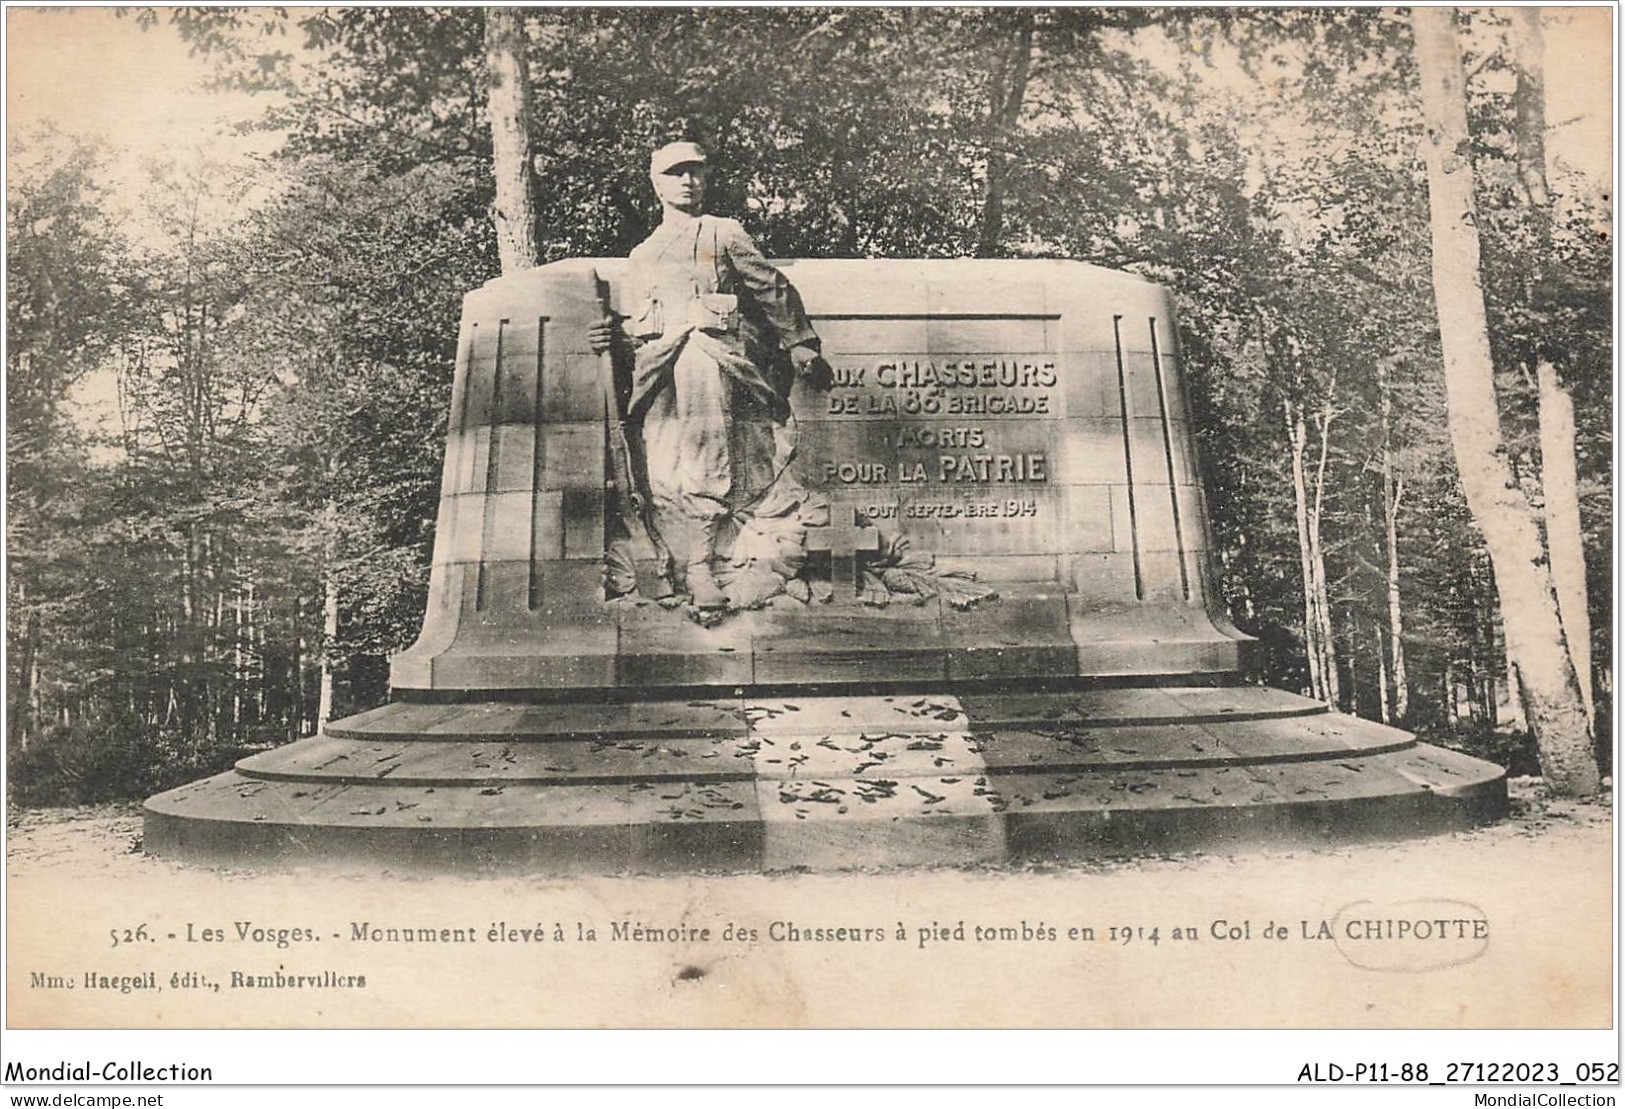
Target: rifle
[(624, 495)]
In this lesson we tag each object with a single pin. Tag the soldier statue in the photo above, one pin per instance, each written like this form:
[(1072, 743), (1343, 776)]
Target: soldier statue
[(716, 335)]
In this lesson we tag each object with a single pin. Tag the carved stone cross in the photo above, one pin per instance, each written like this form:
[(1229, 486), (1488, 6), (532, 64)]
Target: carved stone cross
[(844, 542)]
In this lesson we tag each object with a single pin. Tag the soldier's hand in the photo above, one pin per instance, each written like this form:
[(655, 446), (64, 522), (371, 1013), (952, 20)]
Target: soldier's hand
[(601, 335), (811, 367)]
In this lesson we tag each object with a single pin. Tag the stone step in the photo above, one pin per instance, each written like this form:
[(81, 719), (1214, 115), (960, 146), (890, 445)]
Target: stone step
[(714, 716), (829, 782), (1394, 794), (845, 737)]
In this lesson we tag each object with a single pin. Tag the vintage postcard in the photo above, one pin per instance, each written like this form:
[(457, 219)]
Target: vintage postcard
[(1047, 519)]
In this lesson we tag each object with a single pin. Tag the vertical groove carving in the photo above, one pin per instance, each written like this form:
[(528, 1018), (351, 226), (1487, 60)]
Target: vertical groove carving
[(459, 386), (1168, 452), (1128, 456), (538, 461), (493, 455)]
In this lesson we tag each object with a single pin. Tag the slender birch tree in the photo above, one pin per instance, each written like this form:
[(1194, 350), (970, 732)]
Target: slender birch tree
[(1529, 608)]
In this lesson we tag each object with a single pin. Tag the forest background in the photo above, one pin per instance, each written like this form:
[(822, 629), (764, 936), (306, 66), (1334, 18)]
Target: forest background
[(229, 557)]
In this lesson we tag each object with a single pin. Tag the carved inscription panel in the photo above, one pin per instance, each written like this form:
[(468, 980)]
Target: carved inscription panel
[(957, 447)]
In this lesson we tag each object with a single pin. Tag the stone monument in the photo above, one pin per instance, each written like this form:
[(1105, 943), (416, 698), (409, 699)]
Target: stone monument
[(972, 620)]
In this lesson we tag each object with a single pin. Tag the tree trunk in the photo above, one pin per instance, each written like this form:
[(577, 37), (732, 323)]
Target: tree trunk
[(1560, 485), (256, 648), (508, 101), (1559, 481), (1393, 489), (1385, 707), (1298, 432), (1007, 91), (1481, 674), (23, 703), (1551, 694), (1514, 703), (1327, 636), (1529, 113), (36, 700), (296, 675), (330, 612), (239, 655), (1349, 691)]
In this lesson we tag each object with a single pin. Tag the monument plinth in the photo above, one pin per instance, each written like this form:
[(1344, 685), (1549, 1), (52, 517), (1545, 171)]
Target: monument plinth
[(1021, 425), (971, 618)]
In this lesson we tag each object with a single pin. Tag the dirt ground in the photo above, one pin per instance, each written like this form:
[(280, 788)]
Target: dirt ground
[(1520, 916)]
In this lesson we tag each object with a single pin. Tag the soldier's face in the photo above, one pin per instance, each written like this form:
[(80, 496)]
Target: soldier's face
[(682, 186)]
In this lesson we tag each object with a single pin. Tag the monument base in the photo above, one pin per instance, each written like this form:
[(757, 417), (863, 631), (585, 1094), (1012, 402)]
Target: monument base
[(736, 783)]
